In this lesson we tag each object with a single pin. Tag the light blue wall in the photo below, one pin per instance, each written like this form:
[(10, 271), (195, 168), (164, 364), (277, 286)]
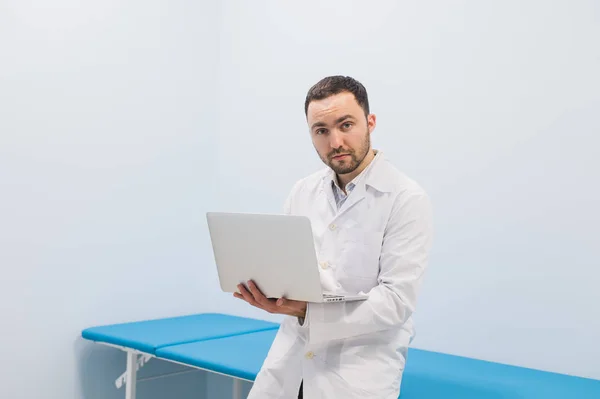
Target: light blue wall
[(116, 119), (107, 154), (493, 106)]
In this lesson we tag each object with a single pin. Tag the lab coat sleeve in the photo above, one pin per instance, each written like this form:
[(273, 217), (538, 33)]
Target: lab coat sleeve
[(404, 255), (288, 203)]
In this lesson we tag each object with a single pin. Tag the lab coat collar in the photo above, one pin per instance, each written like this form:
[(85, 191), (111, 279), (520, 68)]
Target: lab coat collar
[(373, 176)]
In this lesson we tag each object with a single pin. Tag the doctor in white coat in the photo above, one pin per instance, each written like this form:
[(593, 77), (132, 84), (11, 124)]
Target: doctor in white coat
[(373, 233)]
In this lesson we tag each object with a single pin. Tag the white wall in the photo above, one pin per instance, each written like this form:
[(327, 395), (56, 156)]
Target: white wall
[(492, 106), (107, 150)]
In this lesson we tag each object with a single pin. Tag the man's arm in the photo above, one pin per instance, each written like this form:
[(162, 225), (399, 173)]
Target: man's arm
[(404, 256)]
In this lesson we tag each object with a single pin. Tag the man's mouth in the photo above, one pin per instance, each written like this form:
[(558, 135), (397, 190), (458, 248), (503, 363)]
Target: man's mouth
[(340, 156)]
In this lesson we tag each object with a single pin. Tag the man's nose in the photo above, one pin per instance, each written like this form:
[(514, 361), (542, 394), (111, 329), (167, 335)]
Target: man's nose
[(335, 139)]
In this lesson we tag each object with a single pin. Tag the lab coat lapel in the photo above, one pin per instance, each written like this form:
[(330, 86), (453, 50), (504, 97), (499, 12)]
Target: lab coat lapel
[(357, 195), (327, 191), (325, 207), (374, 176)]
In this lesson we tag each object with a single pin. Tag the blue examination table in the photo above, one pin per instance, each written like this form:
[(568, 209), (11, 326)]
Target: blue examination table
[(236, 347)]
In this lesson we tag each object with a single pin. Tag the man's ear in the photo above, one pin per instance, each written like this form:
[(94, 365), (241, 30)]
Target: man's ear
[(371, 122)]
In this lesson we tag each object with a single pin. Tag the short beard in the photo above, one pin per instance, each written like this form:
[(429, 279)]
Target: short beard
[(356, 159)]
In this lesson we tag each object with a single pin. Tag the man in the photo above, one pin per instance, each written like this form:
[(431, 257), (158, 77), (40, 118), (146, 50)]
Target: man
[(373, 231)]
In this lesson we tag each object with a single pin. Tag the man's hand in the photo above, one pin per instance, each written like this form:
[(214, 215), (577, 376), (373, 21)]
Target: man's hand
[(282, 306)]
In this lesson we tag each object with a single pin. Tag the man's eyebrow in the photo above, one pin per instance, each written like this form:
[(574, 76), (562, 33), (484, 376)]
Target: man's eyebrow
[(318, 124), (338, 120)]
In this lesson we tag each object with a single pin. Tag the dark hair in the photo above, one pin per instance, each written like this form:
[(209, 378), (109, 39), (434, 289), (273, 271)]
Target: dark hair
[(332, 85)]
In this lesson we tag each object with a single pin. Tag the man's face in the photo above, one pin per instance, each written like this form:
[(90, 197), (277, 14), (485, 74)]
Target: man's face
[(340, 131)]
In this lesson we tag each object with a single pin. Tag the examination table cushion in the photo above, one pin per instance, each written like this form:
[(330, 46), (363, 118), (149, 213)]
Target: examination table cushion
[(149, 335)]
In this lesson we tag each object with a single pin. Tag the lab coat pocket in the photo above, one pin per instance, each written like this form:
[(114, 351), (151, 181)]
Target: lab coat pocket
[(360, 252)]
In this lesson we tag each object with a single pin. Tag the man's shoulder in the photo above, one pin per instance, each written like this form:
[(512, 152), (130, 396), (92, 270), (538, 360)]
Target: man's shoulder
[(398, 182), (311, 182)]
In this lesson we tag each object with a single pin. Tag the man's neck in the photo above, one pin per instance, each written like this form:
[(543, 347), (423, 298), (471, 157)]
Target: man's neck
[(347, 178)]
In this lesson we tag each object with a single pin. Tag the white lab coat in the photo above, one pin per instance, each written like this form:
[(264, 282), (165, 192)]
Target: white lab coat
[(377, 243)]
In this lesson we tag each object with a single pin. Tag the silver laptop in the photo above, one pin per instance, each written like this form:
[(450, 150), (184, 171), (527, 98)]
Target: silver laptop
[(277, 252)]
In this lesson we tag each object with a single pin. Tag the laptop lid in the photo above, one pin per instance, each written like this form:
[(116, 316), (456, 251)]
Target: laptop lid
[(275, 251)]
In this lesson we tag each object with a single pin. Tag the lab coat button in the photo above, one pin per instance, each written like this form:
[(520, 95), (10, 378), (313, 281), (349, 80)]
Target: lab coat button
[(332, 226), (310, 355), (324, 265)]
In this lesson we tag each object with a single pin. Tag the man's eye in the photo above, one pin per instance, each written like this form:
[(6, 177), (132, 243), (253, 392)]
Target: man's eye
[(347, 125), (320, 131)]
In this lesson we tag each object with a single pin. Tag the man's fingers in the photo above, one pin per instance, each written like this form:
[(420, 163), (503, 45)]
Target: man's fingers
[(262, 301), (254, 297), (254, 289), (258, 296), (247, 296)]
